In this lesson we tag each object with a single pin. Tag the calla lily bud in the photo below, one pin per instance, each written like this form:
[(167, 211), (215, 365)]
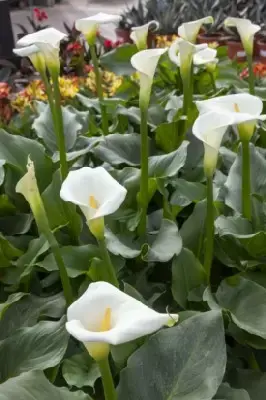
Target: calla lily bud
[(97, 194), (105, 316), (34, 55), (28, 187), (189, 30), (48, 42), (139, 34), (145, 62), (246, 30), (243, 109), (90, 25)]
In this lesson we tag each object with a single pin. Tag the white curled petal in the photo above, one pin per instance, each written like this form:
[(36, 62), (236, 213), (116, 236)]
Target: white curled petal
[(139, 33), (146, 61), (49, 36), (205, 56), (85, 25), (190, 30), (26, 51)]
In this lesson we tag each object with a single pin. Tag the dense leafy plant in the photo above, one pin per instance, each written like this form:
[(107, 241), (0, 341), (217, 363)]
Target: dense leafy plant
[(130, 213)]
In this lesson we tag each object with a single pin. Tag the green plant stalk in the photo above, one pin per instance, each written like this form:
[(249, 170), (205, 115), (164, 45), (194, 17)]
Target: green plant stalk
[(251, 77), (107, 380), (109, 270), (246, 195), (59, 125), (213, 82), (144, 177), (208, 256), (99, 89), (187, 79)]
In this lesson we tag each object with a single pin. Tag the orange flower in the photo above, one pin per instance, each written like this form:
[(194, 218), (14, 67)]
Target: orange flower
[(4, 90)]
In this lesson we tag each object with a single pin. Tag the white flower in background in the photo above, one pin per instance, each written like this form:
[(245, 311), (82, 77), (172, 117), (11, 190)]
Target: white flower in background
[(48, 42), (139, 34), (246, 30), (34, 55), (90, 25), (145, 62), (244, 109), (210, 129), (104, 315), (205, 57), (189, 30), (97, 194)]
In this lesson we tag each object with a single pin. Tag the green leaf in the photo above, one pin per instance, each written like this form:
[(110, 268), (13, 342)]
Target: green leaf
[(162, 369), (2, 171), (166, 243), (8, 252), (253, 382), (44, 128), (187, 274), (36, 248), (233, 184), (15, 151), (36, 348), (122, 245), (18, 224), (225, 392), (246, 301), (192, 230), (34, 385), (118, 60), (80, 370), (76, 258), (169, 164), (187, 192), (166, 136), (13, 298)]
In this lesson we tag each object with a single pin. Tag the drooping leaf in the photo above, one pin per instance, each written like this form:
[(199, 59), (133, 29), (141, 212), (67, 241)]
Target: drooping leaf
[(122, 245), (225, 392), (118, 60), (80, 370), (187, 192), (187, 274), (195, 348), (34, 385), (254, 382), (13, 298)]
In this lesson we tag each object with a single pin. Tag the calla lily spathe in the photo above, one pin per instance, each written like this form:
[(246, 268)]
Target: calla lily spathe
[(89, 25), (34, 55), (189, 30), (94, 190), (145, 62), (243, 109), (105, 315), (210, 129), (48, 42), (139, 34), (246, 30)]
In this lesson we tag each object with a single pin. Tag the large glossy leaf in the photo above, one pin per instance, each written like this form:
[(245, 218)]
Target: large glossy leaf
[(80, 370), (34, 385), (187, 274), (246, 301), (186, 362), (44, 128), (254, 382), (118, 60), (225, 392), (15, 150), (122, 245), (165, 243), (36, 348), (187, 192), (234, 180), (13, 298)]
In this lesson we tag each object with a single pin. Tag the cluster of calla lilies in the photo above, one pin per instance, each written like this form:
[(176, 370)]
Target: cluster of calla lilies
[(104, 315)]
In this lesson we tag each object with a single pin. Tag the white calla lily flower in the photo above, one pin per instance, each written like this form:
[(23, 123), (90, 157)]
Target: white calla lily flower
[(205, 56), (34, 54), (139, 34), (246, 30), (210, 129), (94, 190), (145, 62), (189, 30), (89, 25), (48, 42), (104, 315), (244, 109)]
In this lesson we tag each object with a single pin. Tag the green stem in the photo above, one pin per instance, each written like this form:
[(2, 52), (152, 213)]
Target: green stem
[(99, 90), (59, 124), (213, 82), (251, 77), (107, 380), (61, 266), (187, 79), (144, 178), (209, 229), (246, 197), (109, 270)]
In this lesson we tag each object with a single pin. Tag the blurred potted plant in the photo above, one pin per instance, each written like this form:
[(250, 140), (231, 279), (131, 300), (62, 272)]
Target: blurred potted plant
[(132, 16), (36, 21)]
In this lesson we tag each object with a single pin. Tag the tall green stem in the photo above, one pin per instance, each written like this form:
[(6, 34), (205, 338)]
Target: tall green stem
[(251, 77), (144, 178), (107, 380), (213, 81), (209, 229), (59, 126), (99, 89), (187, 79), (109, 270), (246, 195)]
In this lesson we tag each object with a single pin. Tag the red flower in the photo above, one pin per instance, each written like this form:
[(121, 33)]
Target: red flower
[(74, 47), (4, 90), (108, 44), (40, 15), (88, 68)]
